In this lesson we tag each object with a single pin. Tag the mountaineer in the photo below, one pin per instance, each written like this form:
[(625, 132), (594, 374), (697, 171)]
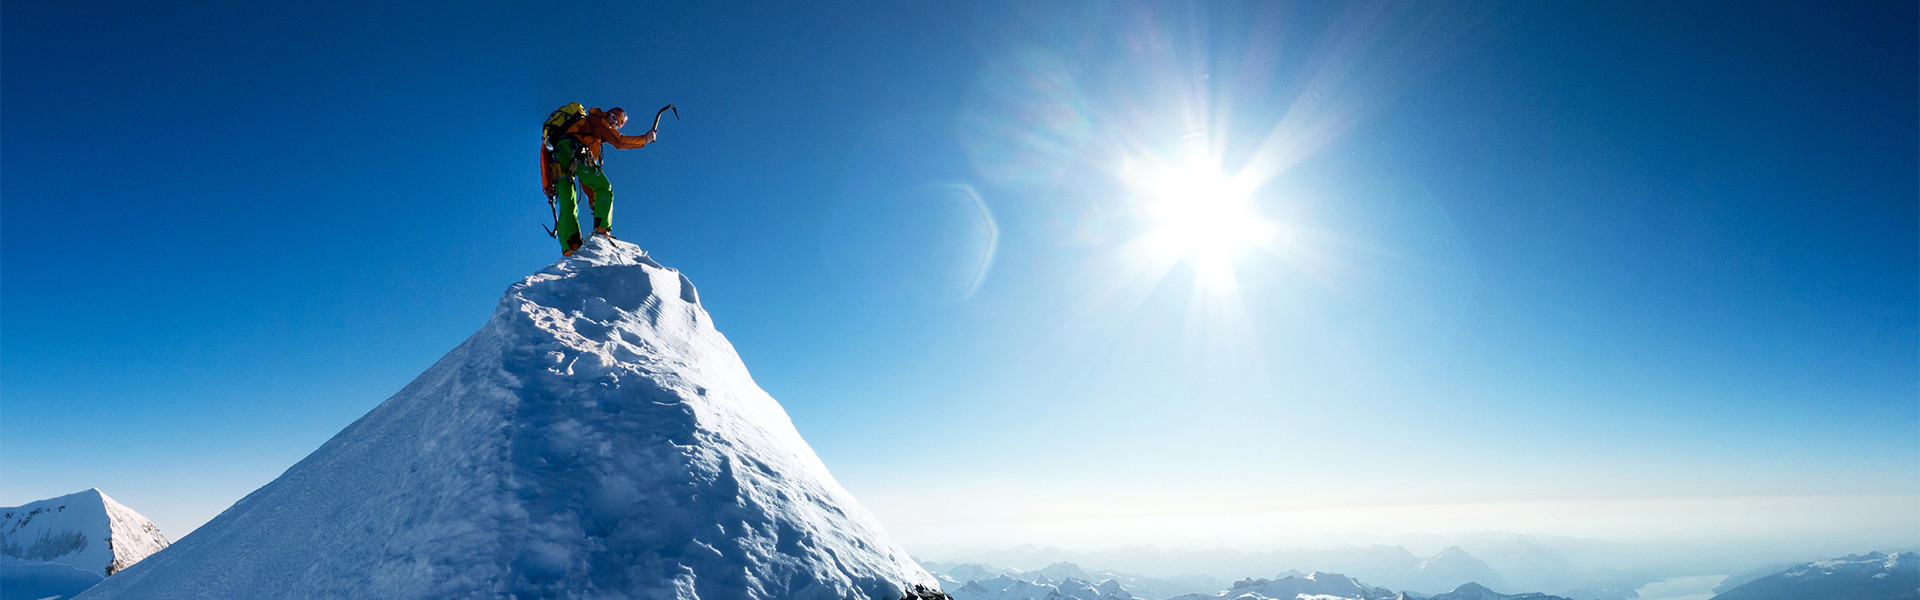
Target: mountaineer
[(570, 161)]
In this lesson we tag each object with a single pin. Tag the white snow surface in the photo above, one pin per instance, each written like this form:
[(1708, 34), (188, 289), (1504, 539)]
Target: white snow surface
[(597, 439), (87, 531)]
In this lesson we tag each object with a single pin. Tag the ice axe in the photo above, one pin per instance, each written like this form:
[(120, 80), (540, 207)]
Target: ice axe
[(663, 110)]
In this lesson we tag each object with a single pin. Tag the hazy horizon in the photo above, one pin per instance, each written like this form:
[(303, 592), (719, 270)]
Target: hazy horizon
[(1690, 554)]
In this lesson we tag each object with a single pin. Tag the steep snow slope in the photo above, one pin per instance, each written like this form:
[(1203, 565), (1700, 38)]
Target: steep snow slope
[(597, 439)]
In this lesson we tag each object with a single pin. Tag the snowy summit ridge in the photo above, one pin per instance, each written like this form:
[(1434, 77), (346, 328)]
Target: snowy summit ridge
[(598, 438)]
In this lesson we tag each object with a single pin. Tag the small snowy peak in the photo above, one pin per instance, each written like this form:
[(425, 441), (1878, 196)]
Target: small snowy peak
[(59, 547), (86, 530), (598, 438)]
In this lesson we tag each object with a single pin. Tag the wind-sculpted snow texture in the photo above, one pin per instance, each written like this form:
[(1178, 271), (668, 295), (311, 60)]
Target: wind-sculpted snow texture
[(597, 439)]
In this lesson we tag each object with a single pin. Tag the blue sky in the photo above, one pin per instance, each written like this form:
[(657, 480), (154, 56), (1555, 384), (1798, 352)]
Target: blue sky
[(1545, 267)]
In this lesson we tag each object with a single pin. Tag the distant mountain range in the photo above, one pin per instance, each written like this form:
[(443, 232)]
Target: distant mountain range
[(1389, 566), (1557, 565), (1010, 588), (1067, 581), (955, 576), (1870, 576)]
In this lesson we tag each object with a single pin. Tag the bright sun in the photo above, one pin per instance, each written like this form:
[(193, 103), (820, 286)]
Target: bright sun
[(1198, 212)]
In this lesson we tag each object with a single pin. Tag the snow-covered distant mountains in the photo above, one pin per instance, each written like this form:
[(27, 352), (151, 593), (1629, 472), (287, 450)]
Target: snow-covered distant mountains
[(1870, 576), (1334, 586), (598, 438), (60, 546), (1393, 567), (956, 575), (1010, 588), (1107, 585)]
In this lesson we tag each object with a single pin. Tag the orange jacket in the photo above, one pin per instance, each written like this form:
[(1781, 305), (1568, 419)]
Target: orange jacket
[(592, 131), (597, 129)]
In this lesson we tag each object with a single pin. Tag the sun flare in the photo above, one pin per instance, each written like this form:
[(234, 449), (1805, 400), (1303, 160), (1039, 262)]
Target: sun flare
[(1200, 213), (1196, 212)]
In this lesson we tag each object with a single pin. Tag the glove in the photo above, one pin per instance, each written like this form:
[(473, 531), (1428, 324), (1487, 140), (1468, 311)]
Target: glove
[(653, 136)]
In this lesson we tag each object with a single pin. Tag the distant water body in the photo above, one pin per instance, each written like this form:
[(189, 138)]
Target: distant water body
[(1697, 587)]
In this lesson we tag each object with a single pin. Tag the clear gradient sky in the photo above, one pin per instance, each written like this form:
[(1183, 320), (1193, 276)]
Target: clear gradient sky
[(1076, 273)]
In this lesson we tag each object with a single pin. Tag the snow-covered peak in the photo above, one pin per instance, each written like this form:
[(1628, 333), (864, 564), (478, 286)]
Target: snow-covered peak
[(597, 438), (85, 530)]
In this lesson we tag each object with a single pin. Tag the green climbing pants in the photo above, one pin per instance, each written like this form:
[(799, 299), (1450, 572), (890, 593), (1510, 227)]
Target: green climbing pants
[(599, 200)]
